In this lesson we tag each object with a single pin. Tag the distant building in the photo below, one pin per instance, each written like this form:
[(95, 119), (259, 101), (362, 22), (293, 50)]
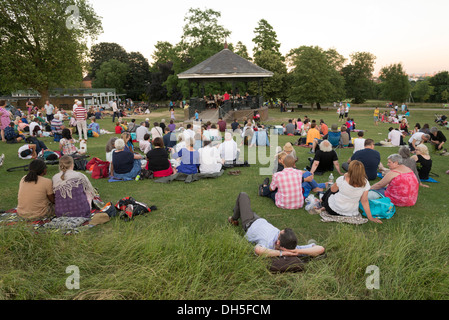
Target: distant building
[(64, 98)]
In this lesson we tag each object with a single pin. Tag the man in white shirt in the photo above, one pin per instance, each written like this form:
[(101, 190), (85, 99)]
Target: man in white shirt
[(115, 110), (229, 151), (269, 240), (395, 137), (156, 131), (49, 108), (189, 133), (416, 139), (141, 131)]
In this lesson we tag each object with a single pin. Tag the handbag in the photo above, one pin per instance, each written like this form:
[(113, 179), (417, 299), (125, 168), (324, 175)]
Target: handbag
[(287, 264), (380, 206)]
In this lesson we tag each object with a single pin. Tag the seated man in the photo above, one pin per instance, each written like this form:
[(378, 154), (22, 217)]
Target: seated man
[(416, 139), (269, 240), (325, 160), (11, 135), (286, 186), (229, 152), (369, 157), (395, 138)]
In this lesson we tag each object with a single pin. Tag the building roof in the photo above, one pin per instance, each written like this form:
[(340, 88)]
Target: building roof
[(225, 65)]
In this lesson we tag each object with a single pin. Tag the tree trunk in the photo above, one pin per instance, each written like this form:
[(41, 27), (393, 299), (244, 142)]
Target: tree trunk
[(45, 95), (311, 106), (318, 106)]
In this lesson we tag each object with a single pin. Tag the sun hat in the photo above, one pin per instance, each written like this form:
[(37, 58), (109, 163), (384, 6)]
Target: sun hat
[(288, 147)]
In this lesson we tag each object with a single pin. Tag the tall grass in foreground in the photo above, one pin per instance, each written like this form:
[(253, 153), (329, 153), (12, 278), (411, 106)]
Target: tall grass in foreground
[(160, 260), (187, 250)]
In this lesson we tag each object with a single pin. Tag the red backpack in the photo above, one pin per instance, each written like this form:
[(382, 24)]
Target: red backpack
[(99, 168)]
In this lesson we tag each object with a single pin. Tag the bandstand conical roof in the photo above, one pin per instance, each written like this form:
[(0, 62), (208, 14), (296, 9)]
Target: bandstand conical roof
[(225, 66)]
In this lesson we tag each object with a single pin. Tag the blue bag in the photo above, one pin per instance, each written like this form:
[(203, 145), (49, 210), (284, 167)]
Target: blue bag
[(381, 207)]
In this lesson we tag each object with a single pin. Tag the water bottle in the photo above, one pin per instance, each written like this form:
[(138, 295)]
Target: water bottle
[(331, 180)]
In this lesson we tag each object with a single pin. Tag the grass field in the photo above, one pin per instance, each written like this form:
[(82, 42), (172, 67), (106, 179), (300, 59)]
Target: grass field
[(186, 249)]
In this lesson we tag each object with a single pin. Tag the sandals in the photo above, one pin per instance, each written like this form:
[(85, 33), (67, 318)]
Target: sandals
[(234, 172)]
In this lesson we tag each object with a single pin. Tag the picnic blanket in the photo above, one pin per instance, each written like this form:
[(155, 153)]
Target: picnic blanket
[(430, 179), (188, 178), (325, 217), (65, 225)]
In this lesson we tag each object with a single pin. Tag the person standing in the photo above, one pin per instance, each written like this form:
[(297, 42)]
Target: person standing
[(49, 108), (4, 119), (376, 116), (80, 114), (115, 110)]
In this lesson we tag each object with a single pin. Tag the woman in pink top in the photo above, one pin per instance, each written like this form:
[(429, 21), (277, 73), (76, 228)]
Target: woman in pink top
[(399, 184)]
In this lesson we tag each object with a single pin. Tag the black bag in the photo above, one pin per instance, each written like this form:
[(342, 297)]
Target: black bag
[(287, 264)]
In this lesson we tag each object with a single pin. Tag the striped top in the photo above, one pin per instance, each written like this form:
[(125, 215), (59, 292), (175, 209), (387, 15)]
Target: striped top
[(80, 113)]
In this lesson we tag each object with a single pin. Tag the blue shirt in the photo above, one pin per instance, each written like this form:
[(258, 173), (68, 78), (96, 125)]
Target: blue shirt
[(190, 161)]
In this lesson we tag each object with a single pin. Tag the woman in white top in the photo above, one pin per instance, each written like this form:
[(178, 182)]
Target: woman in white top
[(345, 194)]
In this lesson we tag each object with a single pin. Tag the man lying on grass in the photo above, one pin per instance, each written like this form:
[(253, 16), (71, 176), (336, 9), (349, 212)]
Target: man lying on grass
[(269, 240)]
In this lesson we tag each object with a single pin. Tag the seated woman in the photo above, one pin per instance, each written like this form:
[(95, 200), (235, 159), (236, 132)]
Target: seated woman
[(67, 143), (126, 136), (157, 160), (399, 184), (73, 191), (125, 165), (36, 198), (423, 161), (347, 192), (210, 160), (189, 158)]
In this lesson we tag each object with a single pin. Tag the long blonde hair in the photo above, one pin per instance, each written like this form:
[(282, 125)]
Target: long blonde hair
[(357, 174), (65, 163)]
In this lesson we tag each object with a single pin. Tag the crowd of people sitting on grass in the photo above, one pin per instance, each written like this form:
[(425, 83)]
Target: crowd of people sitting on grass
[(164, 150)]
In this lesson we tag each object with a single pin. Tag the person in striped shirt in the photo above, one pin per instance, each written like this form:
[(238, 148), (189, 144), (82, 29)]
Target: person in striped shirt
[(80, 114)]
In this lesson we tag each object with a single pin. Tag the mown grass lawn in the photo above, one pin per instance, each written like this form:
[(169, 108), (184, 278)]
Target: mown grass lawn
[(187, 250)]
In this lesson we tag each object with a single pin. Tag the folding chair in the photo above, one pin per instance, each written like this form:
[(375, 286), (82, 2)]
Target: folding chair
[(334, 139)]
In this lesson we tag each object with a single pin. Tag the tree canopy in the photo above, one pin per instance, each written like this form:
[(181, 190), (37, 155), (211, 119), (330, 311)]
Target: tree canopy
[(395, 85), (44, 46)]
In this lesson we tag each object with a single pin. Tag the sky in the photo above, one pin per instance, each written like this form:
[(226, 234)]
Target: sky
[(414, 33)]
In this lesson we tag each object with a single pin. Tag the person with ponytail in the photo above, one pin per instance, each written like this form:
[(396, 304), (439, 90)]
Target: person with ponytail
[(73, 191), (36, 197)]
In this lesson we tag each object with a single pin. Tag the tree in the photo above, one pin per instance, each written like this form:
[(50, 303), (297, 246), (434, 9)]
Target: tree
[(265, 39), (440, 82), (394, 83), (422, 90), (138, 76), (202, 37), (314, 78), (358, 76), (276, 86), (103, 52), (242, 51), (44, 46), (112, 74)]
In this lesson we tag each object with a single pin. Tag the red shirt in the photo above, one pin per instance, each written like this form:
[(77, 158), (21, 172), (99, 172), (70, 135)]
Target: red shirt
[(80, 113), (222, 125), (118, 129), (289, 185)]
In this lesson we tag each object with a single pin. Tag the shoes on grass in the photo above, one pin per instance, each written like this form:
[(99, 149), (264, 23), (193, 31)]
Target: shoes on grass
[(233, 222)]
